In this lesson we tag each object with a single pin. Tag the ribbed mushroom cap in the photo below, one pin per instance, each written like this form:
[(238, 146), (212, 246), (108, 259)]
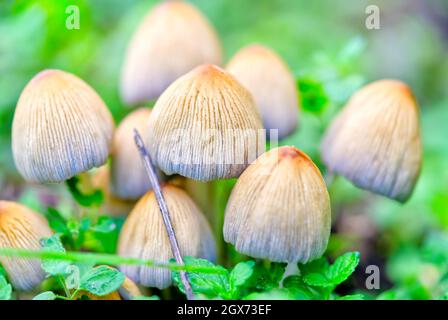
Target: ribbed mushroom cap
[(61, 127), (22, 228), (205, 126), (375, 140), (173, 39), (129, 179), (144, 235), (279, 209), (272, 84)]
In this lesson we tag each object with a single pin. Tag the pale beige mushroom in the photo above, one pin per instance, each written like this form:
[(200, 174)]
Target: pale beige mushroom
[(205, 126), (375, 140), (22, 228), (144, 235), (61, 128), (173, 38), (129, 179), (279, 209), (272, 84)]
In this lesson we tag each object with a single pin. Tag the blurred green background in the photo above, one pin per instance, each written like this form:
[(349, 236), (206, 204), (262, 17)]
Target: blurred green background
[(332, 53)]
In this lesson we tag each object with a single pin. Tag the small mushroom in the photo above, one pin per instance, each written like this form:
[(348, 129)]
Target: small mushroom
[(129, 179), (173, 38), (22, 228), (375, 140), (205, 126), (61, 128), (144, 235), (279, 209), (272, 84)]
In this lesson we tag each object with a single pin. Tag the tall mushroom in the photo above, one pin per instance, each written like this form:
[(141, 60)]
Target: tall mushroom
[(279, 209), (205, 126), (22, 228), (144, 235), (272, 84), (375, 140), (173, 38), (129, 180), (61, 128)]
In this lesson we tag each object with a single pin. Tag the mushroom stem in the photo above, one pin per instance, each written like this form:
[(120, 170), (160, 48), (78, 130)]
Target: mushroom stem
[(150, 170)]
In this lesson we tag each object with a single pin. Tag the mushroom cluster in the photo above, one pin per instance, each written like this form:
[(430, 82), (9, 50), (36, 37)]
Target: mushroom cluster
[(208, 123)]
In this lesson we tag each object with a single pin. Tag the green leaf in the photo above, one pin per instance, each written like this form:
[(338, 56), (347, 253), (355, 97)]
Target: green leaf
[(209, 284), (5, 289), (54, 267), (343, 267), (317, 280), (241, 273), (313, 97), (94, 199), (320, 265), (47, 295), (102, 280), (268, 277)]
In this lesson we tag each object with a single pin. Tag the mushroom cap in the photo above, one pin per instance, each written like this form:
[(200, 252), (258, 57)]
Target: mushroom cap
[(129, 179), (272, 84), (375, 140), (22, 228), (61, 128), (279, 209), (144, 235), (173, 38), (205, 126)]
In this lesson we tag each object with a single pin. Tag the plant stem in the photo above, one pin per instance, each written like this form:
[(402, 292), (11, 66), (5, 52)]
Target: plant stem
[(101, 258), (150, 170)]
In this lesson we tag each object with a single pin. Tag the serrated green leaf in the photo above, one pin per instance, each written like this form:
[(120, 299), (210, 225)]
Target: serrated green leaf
[(320, 265), (102, 280), (54, 267), (241, 273), (209, 284), (93, 199), (267, 278), (5, 289), (47, 295), (343, 267)]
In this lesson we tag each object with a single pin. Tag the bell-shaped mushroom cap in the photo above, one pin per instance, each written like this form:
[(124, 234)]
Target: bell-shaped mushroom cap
[(129, 179), (144, 235), (61, 128), (22, 228), (375, 140), (173, 39), (272, 84), (205, 126), (279, 209)]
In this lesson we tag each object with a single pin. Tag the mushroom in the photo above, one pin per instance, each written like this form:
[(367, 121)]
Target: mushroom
[(22, 228), (375, 140), (173, 38), (205, 126), (129, 180), (279, 209), (61, 128), (144, 235), (272, 84)]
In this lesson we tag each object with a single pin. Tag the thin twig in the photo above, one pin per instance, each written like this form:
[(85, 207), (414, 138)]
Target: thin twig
[(150, 170)]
